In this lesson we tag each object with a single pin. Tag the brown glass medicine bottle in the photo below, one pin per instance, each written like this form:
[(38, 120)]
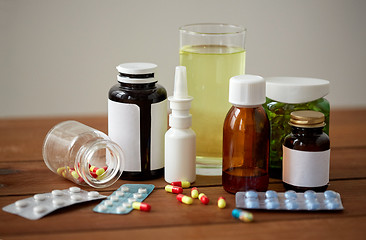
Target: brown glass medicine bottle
[(246, 136), (306, 153)]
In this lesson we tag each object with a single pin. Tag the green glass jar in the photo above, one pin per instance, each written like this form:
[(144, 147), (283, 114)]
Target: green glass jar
[(285, 95)]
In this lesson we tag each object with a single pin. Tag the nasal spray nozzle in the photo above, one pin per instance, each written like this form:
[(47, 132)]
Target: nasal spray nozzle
[(180, 102), (180, 139)]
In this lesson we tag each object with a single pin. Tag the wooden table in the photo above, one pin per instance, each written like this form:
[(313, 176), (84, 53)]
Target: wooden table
[(23, 174)]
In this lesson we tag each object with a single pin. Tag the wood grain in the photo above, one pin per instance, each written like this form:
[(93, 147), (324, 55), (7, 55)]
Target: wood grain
[(325, 229), (22, 139), (168, 212), (23, 173)]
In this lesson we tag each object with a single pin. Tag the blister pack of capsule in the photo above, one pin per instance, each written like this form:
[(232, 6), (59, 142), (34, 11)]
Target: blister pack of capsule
[(290, 200), (121, 200), (40, 205)]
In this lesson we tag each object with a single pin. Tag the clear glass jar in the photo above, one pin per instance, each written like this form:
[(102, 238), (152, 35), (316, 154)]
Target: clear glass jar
[(83, 155), (285, 95)]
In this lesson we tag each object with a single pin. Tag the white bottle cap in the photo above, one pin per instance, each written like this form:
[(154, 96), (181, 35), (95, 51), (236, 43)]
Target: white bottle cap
[(296, 89), (247, 90), (136, 68)]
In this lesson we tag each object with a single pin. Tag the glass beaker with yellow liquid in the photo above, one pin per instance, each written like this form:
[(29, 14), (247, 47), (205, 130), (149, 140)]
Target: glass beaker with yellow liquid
[(212, 54)]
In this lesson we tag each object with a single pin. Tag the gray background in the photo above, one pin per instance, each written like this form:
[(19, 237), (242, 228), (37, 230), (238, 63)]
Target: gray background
[(59, 57)]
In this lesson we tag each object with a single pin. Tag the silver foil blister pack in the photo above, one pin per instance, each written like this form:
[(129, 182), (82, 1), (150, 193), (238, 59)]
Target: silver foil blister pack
[(40, 205)]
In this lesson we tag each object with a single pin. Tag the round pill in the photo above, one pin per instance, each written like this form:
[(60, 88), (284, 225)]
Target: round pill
[(292, 205), (330, 194), (331, 205), (76, 197), (271, 194), (251, 203), (39, 197), (39, 209), (312, 205), (114, 198), (290, 194), (272, 204), (108, 203), (251, 194), (137, 195), (21, 203), (142, 190), (57, 193), (58, 202), (120, 193), (310, 194), (125, 189), (121, 209), (74, 190), (126, 204), (102, 208), (93, 194), (131, 200)]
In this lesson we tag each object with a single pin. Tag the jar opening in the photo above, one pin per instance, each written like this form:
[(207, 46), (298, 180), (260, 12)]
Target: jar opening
[(100, 163)]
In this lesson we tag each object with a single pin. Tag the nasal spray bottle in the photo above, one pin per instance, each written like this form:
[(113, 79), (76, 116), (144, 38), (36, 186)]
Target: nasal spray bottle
[(180, 139)]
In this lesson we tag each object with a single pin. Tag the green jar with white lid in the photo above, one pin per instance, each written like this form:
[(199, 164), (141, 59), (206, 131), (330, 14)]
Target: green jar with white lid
[(285, 95)]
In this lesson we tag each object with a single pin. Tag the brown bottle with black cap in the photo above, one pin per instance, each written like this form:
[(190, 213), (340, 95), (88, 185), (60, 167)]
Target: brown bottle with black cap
[(306, 153)]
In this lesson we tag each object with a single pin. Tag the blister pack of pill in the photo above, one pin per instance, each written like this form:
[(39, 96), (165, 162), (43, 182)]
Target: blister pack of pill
[(121, 200), (290, 200), (42, 204)]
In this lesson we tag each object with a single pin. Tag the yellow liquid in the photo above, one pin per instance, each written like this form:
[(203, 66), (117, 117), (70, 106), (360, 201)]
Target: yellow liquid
[(209, 69)]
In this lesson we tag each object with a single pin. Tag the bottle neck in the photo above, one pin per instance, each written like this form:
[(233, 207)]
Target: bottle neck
[(100, 163), (247, 106), (301, 130), (141, 86)]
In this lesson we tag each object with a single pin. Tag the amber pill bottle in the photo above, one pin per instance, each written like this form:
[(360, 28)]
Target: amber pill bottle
[(246, 136), (306, 153)]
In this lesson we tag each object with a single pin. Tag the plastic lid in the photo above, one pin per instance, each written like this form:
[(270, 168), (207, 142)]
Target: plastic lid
[(247, 90), (137, 68), (296, 89), (307, 119), (136, 73)]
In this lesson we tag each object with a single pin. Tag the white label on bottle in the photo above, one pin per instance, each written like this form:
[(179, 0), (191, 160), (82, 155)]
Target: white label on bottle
[(124, 129), (159, 125), (305, 169)]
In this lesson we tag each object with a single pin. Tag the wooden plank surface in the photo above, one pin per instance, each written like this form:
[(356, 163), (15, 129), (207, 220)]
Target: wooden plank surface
[(325, 229), (22, 139), (23, 173), (345, 164), (168, 212)]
